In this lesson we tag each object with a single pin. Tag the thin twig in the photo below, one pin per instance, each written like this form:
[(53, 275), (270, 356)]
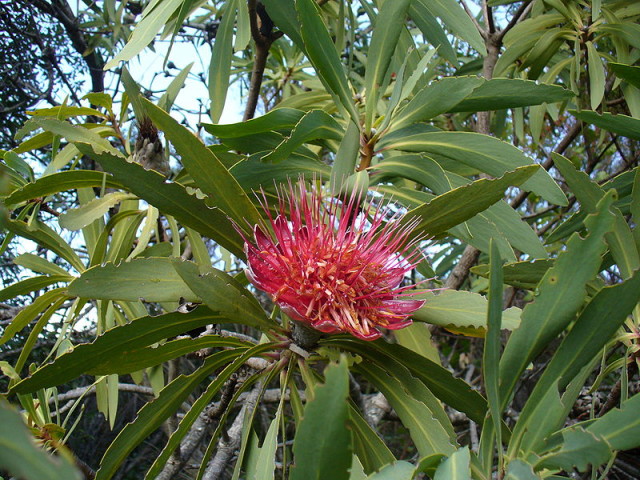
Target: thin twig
[(487, 13), (481, 29), (548, 163), (522, 12)]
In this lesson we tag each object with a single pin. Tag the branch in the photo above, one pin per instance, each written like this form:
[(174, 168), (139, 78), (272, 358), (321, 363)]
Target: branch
[(616, 391), (470, 255), (522, 12), (80, 391), (60, 10), (548, 163), (227, 446), (483, 31), (263, 37), (461, 271), (487, 12), (197, 431), (71, 396)]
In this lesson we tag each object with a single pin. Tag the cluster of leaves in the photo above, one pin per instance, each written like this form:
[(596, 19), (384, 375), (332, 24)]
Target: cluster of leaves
[(395, 108)]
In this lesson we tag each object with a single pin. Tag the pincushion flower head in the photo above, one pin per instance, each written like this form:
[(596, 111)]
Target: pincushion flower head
[(333, 265)]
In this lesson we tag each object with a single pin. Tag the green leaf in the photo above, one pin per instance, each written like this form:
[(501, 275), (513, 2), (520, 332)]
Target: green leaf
[(310, 100), (493, 344), (30, 312), (503, 93), (456, 467), (147, 279), (427, 432), (560, 294), (344, 164), (388, 24), (596, 76), (257, 143), (41, 265), (132, 89), (200, 404), (20, 456), (223, 293), (620, 124), (432, 30), (170, 94), (266, 458), (419, 168), (76, 133), (452, 208), (206, 169), (284, 15), (276, 120), (153, 414), (29, 285), (500, 217), (519, 470), (61, 182), (481, 152), (620, 241), (417, 338), (80, 217), (546, 46), (314, 125), (323, 55), (254, 175), (172, 199), (519, 274), (440, 381), (580, 448), (620, 427), (629, 32), (400, 470), (429, 464), (367, 445), (62, 112), (322, 445), (134, 360), (436, 98), (456, 20), (100, 99), (114, 344), (14, 161), (44, 236), (154, 17), (588, 336), (220, 64), (629, 73), (462, 311)]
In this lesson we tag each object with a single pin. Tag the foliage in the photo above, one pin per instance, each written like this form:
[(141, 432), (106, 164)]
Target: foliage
[(506, 139)]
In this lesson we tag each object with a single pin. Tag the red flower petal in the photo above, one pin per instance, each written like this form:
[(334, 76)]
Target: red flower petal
[(334, 266)]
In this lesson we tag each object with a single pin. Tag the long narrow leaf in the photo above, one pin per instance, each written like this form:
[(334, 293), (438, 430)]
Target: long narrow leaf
[(560, 294), (206, 169), (171, 198), (452, 391), (492, 345), (118, 341), (221, 55), (322, 445), (151, 416), (323, 55), (386, 33)]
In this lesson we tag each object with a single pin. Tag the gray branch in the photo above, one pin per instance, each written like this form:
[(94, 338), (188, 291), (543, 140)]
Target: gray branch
[(227, 446)]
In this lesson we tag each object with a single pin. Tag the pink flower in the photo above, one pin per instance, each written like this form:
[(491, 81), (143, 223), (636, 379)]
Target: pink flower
[(332, 265)]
